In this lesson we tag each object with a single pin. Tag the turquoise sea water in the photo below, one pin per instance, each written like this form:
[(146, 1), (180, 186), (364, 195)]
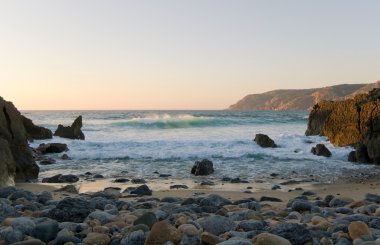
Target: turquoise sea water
[(143, 142)]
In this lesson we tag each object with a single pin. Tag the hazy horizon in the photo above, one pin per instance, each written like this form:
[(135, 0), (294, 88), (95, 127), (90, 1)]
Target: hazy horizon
[(180, 55)]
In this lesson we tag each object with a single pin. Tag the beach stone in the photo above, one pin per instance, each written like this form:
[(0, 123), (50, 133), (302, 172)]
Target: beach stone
[(211, 239), (6, 210), (46, 231), (134, 238), (6, 191), (96, 238), (100, 202), (10, 235), (321, 150), (71, 132), (217, 224), (179, 187), (301, 206), (69, 189), (148, 219), (142, 190), (20, 193), (372, 198), (251, 205), (250, 225), (269, 239), (188, 229), (204, 167), (65, 240), (44, 197), (30, 242), (189, 240), (65, 157), (352, 156), (52, 148), (47, 161), (295, 233), (59, 178), (264, 141), (138, 181), (214, 200), (71, 210), (340, 202), (162, 232), (358, 229), (121, 180), (269, 199), (102, 216), (23, 224)]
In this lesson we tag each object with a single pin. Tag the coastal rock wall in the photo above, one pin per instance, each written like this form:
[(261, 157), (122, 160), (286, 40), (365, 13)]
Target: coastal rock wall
[(350, 122), (16, 161)]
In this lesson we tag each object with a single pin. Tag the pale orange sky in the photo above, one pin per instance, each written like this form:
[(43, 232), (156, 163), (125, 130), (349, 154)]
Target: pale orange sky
[(200, 54)]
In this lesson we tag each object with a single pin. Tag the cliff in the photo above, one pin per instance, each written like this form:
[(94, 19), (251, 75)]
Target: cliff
[(300, 99)]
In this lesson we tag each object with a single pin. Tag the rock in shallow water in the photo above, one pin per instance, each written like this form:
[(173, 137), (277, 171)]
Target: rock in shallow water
[(321, 150), (264, 141), (71, 132), (204, 167)]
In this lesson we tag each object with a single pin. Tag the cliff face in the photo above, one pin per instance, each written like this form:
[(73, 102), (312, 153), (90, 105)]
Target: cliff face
[(354, 122), (16, 160), (300, 99)]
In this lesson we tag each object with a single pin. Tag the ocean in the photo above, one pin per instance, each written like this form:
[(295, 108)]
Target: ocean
[(140, 144)]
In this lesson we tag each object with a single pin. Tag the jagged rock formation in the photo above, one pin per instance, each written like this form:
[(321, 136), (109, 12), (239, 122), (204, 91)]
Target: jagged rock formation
[(300, 99), (35, 132), (71, 132), (352, 122), (16, 159)]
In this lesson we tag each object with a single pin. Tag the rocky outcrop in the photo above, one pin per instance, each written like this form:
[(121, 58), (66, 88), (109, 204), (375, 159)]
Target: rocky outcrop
[(35, 132), (264, 141), (71, 132), (16, 159), (204, 167), (321, 150), (352, 122), (300, 99)]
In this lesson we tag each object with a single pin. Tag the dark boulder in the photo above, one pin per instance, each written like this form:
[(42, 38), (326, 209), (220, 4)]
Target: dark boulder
[(361, 154), (204, 167), (321, 150), (16, 158), (352, 157), (71, 132), (264, 141), (59, 178), (142, 190), (52, 148), (71, 210), (35, 132)]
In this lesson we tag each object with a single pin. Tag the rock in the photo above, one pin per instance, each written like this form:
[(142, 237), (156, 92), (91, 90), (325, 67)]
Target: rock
[(295, 233), (44, 197), (148, 219), (96, 238), (30, 242), (71, 132), (361, 154), (162, 232), (46, 231), (321, 150), (264, 141), (372, 198), (71, 210), (138, 181), (142, 190), (340, 202), (269, 239), (69, 189), (358, 229), (350, 122), (352, 156), (179, 187), (23, 224), (301, 206), (250, 225), (16, 157), (237, 241), (35, 132), (6, 210), (103, 217), (217, 224), (47, 161), (59, 178), (134, 238), (10, 236), (188, 229), (51, 148), (65, 157), (270, 199), (214, 200), (208, 238), (121, 180), (204, 167)]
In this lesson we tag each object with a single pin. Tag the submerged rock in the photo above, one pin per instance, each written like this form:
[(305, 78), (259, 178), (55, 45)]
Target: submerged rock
[(321, 150), (71, 132), (52, 148), (264, 141), (204, 167)]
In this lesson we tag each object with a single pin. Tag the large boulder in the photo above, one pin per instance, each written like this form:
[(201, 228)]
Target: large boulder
[(321, 150), (51, 148), (71, 132), (264, 141), (16, 159), (35, 132), (352, 122), (204, 167)]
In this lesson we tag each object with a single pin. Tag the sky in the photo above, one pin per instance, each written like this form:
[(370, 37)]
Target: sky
[(180, 54)]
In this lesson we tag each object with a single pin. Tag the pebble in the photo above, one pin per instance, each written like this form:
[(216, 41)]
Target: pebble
[(358, 229), (269, 239)]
